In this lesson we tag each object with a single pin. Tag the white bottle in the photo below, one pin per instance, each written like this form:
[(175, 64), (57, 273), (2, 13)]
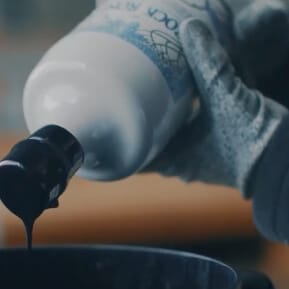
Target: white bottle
[(120, 81)]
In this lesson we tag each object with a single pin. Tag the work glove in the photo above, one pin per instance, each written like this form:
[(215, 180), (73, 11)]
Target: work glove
[(261, 32), (235, 123), (240, 139)]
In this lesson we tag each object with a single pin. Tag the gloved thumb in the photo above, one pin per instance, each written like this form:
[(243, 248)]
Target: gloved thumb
[(212, 69)]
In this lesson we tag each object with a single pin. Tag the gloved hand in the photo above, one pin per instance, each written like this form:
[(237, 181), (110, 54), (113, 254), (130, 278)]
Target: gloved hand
[(235, 124), (240, 139), (261, 31)]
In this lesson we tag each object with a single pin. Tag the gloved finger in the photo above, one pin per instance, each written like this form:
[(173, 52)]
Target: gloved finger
[(221, 91), (214, 73), (262, 33)]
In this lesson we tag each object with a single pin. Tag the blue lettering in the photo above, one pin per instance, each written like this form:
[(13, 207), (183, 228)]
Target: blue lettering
[(160, 16), (157, 14), (172, 24)]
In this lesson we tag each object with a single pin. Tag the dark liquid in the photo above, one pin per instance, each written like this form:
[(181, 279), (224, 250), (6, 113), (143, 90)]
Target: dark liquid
[(29, 230)]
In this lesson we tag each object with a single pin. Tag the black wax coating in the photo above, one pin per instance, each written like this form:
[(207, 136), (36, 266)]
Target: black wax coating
[(36, 171), (29, 233)]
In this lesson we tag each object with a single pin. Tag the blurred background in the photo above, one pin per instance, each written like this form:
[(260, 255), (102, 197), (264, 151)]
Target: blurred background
[(27, 29), (146, 210)]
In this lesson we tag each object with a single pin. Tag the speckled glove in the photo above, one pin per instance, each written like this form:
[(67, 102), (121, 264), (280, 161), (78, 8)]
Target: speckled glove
[(240, 139), (235, 124), (261, 29)]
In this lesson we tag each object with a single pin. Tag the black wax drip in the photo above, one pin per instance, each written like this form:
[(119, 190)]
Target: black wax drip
[(28, 224), (36, 172)]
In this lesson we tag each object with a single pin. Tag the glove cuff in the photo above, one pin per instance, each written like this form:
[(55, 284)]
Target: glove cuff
[(269, 186)]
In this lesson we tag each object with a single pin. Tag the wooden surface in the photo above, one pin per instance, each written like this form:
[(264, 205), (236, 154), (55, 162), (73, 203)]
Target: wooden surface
[(145, 208)]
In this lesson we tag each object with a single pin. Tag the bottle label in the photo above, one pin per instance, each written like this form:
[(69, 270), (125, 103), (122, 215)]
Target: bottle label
[(153, 27)]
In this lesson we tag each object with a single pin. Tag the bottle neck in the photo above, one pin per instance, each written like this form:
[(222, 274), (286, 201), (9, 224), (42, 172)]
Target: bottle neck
[(36, 171)]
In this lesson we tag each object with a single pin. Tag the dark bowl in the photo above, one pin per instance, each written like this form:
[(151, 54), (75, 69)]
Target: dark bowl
[(116, 267)]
